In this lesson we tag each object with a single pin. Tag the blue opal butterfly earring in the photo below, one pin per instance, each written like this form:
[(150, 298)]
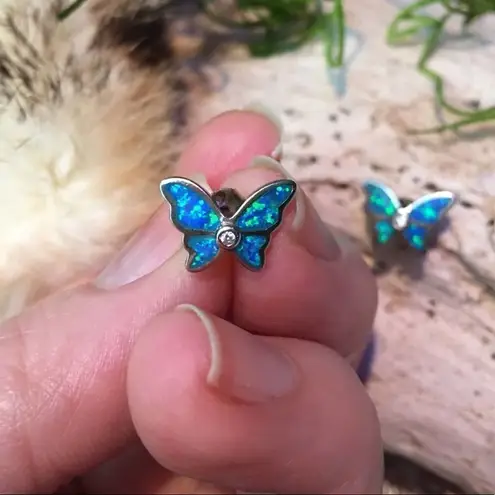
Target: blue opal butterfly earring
[(224, 221), (415, 221)]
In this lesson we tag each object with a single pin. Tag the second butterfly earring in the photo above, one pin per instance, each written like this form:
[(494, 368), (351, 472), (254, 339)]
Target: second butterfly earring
[(415, 222)]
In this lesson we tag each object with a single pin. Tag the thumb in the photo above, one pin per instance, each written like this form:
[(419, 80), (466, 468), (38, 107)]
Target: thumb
[(213, 402), (63, 363)]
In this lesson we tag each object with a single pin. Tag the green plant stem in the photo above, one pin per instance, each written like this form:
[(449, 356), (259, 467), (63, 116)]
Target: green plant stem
[(62, 15), (487, 116), (470, 9), (394, 33), (333, 27)]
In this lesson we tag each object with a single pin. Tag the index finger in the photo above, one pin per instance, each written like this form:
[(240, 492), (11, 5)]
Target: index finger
[(314, 284)]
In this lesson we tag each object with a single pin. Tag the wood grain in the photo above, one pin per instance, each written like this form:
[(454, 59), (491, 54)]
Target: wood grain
[(434, 378)]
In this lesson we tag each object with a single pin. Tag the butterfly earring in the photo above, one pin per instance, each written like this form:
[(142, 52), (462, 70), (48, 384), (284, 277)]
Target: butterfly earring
[(224, 221), (415, 221)]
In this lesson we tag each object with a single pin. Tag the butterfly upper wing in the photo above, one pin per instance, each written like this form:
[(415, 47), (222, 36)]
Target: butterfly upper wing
[(192, 209), (425, 213), (381, 201), (429, 209), (383, 204), (194, 214), (262, 212), (258, 217)]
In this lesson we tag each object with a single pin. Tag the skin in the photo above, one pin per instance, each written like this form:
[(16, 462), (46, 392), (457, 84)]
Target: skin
[(251, 386)]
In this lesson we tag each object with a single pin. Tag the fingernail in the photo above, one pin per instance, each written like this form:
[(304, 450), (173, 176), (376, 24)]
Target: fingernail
[(262, 109), (308, 228), (146, 251), (243, 367)]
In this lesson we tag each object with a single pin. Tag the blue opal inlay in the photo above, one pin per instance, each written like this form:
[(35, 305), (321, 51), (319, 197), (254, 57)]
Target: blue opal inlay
[(199, 220), (250, 250), (430, 211), (384, 231), (415, 235), (379, 201), (265, 212), (191, 210), (205, 249)]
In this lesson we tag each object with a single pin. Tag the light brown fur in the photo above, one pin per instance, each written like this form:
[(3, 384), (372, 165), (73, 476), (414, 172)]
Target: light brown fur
[(87, 131)]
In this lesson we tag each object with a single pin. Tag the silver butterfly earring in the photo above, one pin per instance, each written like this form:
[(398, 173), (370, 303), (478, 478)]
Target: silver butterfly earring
[(415, 222), (224, 221)]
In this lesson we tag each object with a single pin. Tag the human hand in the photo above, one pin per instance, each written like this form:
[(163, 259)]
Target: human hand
[(113, 383)]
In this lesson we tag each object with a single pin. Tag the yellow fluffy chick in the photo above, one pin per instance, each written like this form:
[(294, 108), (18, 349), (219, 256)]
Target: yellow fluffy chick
[(90, 108)]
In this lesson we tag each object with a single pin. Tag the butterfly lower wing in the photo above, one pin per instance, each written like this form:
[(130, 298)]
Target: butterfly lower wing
[(416, 236), (384, 231), (192, 209), (203, 249), (381, 201), (251, 250), (424, 214), (262, 212)]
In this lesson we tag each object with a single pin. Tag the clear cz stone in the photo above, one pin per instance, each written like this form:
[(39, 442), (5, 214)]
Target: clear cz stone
[(228, 238)]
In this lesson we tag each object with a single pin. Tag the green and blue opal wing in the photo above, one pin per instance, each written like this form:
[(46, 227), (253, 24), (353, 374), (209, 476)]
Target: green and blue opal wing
[(192, 209), (429, 209), (262, 212), (384, 231), (425, 213), (203, 249), (251, 250), (416, 236), (381, 201)]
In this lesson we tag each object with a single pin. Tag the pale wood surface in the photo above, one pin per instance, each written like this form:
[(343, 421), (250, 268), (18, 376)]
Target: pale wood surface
[(434, 378)]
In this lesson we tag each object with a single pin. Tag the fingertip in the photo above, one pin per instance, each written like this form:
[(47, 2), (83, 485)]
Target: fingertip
[(228, 142)]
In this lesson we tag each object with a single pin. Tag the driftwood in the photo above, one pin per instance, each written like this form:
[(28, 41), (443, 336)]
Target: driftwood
[(434, 377)]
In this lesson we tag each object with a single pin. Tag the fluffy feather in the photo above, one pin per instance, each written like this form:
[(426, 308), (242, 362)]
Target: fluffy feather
[(88, 117)]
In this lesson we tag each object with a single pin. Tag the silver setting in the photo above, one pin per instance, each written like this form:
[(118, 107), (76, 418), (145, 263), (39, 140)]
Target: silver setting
[(399, 222), (228, 238)]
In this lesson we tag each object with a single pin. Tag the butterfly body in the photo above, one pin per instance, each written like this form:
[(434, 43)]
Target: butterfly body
[(208, 229), (399, 220), (414, 222)]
